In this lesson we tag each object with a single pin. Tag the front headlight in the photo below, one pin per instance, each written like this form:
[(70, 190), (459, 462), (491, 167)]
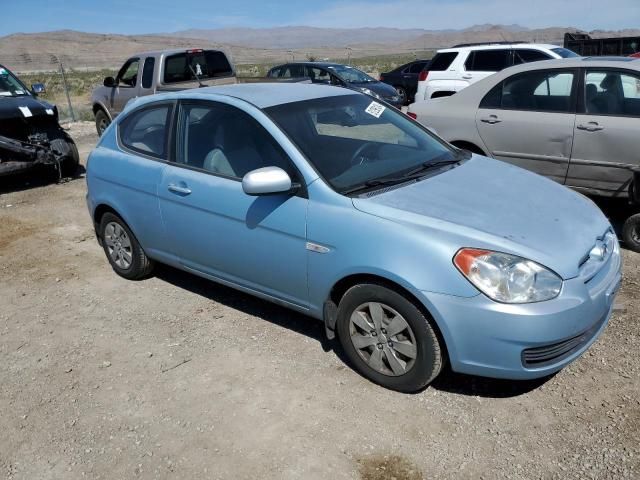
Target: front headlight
[(507, 278), (370, 92)]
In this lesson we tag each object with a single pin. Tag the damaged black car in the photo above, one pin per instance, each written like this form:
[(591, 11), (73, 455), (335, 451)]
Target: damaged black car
[(30, 135)]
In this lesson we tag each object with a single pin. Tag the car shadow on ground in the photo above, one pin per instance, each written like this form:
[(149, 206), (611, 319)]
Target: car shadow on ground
[(471, 385), (448, 380), (36, 178)]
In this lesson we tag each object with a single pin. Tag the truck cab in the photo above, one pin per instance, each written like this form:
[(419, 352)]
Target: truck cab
[(152, 72)]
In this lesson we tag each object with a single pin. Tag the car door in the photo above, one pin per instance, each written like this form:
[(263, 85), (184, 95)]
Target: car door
[(528, 120), (127, 85), (256, 242), (606, 130)]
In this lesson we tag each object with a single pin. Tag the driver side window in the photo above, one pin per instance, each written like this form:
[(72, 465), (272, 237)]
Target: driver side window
[(128, 74), (226, 141)]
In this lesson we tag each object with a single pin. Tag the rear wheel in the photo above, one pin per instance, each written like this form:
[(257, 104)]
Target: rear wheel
[(122, 249), (102, 122), (402, 93), (387, 338), (631, 232)]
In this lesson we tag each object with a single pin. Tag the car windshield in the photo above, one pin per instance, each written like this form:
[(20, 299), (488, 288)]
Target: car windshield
[(565, 53), (356, 143), (10, 86), (350, 74)]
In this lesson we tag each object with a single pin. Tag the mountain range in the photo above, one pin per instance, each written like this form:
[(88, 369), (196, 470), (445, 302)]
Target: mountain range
[(24, 52)]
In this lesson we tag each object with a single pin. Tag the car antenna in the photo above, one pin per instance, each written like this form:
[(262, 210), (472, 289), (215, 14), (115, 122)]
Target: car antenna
[(202, 85)]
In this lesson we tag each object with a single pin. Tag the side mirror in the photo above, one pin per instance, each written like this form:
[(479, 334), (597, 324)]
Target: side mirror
[(266, 181), (38, 88), (110, 82)]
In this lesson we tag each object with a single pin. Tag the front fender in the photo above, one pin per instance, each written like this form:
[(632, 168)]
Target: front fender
[(361, 243)]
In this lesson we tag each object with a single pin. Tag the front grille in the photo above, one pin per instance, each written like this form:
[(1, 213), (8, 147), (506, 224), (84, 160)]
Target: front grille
[(548, 354)]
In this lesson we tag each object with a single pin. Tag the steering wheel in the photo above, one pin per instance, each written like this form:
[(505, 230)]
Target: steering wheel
[(358, 158)]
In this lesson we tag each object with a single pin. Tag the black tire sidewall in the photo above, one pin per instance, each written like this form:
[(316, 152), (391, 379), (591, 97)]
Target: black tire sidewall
[(70, 164), (137, 268), (100, 115), (630, 225), (428, 361)]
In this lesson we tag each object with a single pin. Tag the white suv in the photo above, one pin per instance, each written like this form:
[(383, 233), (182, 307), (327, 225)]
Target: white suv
[(455, 68)]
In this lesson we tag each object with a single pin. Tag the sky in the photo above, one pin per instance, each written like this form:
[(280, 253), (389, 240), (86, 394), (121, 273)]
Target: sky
[(163, 16)]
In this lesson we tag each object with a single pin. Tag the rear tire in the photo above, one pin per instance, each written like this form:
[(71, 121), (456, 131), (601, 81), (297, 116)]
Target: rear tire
[(102, 122), (402, 93), (631, 232), (388, 339), (126, 256)]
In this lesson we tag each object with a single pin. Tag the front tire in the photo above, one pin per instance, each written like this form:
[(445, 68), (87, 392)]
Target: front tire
[(388, 339), (72, 162), (631, 232), (126, 256)]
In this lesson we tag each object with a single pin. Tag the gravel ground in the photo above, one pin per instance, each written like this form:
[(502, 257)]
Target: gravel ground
[(177, 377)]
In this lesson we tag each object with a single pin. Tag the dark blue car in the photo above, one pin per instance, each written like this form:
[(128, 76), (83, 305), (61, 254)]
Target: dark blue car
[(340, 75)]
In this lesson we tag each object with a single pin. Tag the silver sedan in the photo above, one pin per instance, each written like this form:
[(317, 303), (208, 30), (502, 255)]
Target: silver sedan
[(572, 120)]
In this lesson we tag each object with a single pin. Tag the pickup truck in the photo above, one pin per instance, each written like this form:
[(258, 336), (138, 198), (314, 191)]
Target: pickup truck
[(159, 71)]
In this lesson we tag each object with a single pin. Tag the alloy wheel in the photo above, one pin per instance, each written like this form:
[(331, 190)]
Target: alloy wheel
[(383, 339), (118, 245)]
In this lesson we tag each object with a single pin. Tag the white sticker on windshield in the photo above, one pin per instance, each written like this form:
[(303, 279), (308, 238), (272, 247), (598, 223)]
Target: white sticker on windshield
[(3, 71), (49, 111), (375, 109), (26, 112)]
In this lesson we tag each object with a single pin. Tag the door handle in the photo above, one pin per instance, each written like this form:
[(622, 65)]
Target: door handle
[(467, 76), (180, 190), (491, 119), (590, 127)]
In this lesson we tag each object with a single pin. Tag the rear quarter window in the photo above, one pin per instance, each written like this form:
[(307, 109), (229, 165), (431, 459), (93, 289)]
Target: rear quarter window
[(442, 61), (147, 72), (146, 130)]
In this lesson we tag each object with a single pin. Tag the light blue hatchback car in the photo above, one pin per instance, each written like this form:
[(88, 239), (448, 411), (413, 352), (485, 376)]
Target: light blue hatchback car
[(331, 203)]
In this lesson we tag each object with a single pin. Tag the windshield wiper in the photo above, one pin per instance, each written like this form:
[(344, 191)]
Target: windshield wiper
[(426, 166), (202, 85), (410, 175)]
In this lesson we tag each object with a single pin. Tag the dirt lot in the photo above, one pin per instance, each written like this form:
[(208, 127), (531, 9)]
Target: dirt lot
[(177, 377)]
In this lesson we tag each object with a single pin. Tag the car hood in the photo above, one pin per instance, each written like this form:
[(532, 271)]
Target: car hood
[(10, 107), (486, 203)]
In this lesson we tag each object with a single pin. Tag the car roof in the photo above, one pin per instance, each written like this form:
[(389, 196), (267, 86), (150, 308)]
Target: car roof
[(499, 46), (156, 53), (262, 95), (575, 62), (315, 64)]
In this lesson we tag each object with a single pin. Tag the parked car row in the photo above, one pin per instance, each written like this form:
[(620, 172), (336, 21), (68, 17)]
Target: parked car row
[(412, 249)]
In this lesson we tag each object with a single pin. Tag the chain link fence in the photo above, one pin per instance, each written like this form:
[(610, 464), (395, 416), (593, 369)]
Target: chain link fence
[(68, 88)]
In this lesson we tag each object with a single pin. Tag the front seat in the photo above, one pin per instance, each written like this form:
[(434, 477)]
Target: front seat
[(610, 100), (235, 153), (591, 94)]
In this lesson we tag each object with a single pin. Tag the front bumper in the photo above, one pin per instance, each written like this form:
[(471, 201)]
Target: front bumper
[(526, 341)]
